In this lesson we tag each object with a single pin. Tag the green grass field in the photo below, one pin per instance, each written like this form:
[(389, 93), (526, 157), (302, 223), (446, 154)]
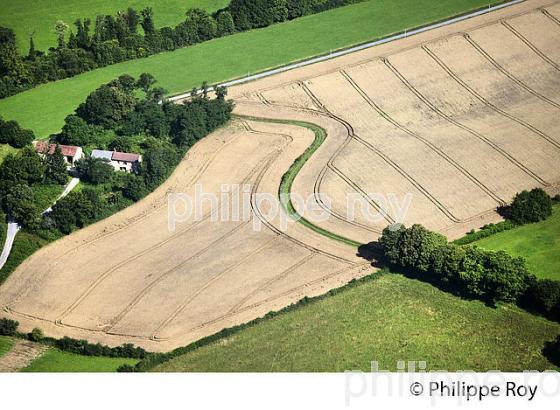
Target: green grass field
[(54, 360), (389, 319), (6, 344), (538, 243), (43, 108), (39, 16)]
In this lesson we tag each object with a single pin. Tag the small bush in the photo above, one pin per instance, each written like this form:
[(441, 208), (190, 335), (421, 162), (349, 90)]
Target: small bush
[(36, 335), (8, 327)]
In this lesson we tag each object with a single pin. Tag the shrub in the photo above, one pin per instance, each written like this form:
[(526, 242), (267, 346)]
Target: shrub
[(485, 231), (543, 296), (36, 335), (85, 348), (11, 133), (8, 327), (95, 170), (531, 206), (413, 247)]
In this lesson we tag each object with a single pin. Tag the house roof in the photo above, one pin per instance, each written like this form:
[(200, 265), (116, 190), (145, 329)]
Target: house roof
[(99, 153), (125, 156), (67, 150)]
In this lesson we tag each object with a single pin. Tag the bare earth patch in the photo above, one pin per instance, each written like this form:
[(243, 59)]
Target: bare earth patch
[(21, 355)]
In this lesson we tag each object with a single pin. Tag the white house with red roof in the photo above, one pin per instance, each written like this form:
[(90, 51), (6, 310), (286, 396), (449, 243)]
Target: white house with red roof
[(121, 161), (71, 153)]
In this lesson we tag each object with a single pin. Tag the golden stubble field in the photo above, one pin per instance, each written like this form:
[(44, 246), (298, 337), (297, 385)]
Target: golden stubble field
[(460, 118)]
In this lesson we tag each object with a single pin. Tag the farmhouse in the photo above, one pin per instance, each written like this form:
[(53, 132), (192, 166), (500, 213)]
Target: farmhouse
[(71, 153), (121, 161)]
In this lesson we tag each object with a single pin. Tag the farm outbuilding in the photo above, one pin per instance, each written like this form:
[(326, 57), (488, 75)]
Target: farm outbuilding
[(71, 153)]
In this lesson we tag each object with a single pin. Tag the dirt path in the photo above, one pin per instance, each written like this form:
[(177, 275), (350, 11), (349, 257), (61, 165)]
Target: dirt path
[(21, 356)]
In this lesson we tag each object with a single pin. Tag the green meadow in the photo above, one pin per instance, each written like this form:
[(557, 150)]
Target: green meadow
[(54, 360), (38, 17), (387, 320), (538, 243)]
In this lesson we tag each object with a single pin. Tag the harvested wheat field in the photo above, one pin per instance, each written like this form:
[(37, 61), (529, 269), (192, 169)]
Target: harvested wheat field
[(456, 119)]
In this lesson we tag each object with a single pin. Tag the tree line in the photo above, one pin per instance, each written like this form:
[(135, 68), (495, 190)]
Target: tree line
[(122, 107), (115, 38), (473, 272), (9, 327)]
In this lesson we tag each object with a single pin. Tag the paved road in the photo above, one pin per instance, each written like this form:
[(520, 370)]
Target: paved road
[(13, 227), (351, 49)]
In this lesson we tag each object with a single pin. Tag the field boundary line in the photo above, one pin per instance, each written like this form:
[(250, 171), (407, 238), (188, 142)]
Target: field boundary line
[(316, 187), (352, 49), (288, 211)]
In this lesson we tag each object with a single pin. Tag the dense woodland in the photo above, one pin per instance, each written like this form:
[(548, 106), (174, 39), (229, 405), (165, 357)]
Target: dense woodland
[(131, 34), (113, 116)]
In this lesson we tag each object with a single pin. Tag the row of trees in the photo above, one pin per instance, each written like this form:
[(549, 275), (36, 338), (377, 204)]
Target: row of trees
[(9, 327), (116, 38), (470, 271), (474, 272)]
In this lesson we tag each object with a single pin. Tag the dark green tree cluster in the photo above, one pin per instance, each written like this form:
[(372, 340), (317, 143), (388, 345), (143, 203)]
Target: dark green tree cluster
[(8, 327), (95, 170), (77, 210), (472, 272), (127, 106), (11, 133), (131, 34), (18, 174), (543, 296), (530, 206)]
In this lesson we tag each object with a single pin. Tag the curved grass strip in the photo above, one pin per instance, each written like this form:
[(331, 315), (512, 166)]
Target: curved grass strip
[(289, 176)]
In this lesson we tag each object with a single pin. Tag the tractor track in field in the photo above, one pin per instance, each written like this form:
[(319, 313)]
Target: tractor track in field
[(530, 45), (441, 153), (482, 99), (458, 124), (513, 78)]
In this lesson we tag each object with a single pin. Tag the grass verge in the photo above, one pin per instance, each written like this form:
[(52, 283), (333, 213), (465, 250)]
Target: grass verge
[(54, 360), (390, 319), (288, 178), (6, 344), (43, 108), (538, 243), (24, 246)]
